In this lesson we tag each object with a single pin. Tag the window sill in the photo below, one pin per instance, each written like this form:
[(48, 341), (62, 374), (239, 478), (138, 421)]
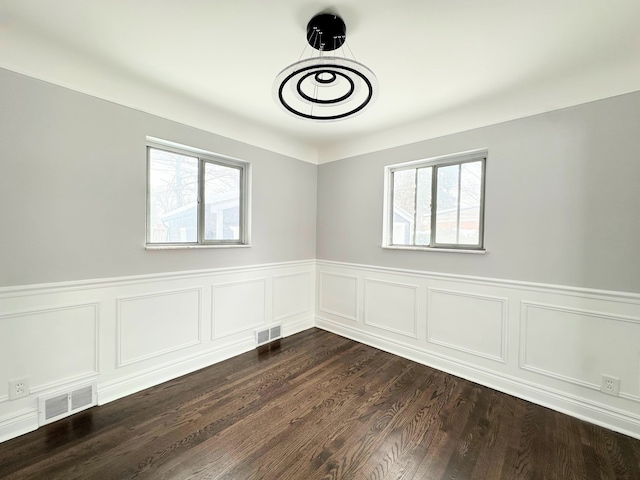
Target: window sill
[(192, 247), (431, 249)]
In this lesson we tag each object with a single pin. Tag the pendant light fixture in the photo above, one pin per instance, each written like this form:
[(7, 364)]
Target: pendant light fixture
[(325, 88)]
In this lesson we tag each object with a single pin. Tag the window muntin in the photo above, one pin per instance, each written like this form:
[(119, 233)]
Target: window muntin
[(444, 196), (178, 180)]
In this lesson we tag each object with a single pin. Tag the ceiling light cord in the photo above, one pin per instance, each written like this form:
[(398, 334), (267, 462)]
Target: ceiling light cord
[(348, 47)]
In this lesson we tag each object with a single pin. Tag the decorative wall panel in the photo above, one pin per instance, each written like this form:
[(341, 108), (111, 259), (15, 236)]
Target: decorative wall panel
[(579, 346), (391, 306), (49, 346), (154, 324), (291, 295), (470, 323), (238, 306), (339, 295)]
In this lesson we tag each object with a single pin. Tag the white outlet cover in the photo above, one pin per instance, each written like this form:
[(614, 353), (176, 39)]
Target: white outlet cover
[(18, 388), (610, 385)]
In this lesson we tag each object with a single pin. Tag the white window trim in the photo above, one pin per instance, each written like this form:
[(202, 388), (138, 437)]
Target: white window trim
[(388, 213), (245, 241), (177, 246), (476, 251)]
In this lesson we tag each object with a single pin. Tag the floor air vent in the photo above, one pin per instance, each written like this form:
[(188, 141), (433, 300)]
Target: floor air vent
[(59, 405), (268, 335)]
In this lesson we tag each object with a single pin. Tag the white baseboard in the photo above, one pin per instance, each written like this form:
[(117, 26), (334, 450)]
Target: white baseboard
[(580, 408), (298, 326), (18, 424)]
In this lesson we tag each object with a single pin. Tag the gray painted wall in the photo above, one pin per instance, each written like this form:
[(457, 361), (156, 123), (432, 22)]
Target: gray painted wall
[(562, 200), (72, 190), (562, 195)]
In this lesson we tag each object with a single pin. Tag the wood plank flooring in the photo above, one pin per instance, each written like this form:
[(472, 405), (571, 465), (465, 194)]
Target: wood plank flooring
[(319, 406)]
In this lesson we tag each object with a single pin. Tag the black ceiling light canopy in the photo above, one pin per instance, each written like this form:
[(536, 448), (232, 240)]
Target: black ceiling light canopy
[(326, 32), (325, 88)]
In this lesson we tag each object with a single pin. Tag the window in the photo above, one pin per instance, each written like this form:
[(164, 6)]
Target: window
[(195, 198), (436, 203)]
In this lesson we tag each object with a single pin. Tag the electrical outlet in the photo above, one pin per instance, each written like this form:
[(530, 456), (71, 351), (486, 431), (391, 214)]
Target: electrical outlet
[(610, 385), (18, 388)]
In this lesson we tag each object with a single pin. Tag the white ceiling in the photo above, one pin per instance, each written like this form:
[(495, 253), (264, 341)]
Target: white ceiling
[(443, 65)]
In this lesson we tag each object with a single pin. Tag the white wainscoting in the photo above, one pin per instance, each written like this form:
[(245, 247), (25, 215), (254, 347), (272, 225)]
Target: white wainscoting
[(475, 324), (544, 343), (238, 306), (132, 333), (292, 295), (391, 306), (36, 345), (158, 323), (547, 344), (338, 295), (576, 346)]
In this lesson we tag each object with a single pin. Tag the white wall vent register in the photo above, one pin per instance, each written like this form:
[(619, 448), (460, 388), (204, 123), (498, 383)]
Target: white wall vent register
[(62, 404), (268, 335)]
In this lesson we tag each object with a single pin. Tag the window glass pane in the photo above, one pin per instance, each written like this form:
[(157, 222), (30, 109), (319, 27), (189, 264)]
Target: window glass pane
[(222, 202), (447, 204), (173, 193), (423, 206), (404, 206), (470, 192)]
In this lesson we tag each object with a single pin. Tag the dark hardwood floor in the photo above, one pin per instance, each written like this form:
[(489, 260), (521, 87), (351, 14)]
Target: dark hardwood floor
[(319, 406)]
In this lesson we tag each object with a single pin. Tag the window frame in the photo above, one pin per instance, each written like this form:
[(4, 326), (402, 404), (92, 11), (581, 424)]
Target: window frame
[(436, 163), (204, 157)]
